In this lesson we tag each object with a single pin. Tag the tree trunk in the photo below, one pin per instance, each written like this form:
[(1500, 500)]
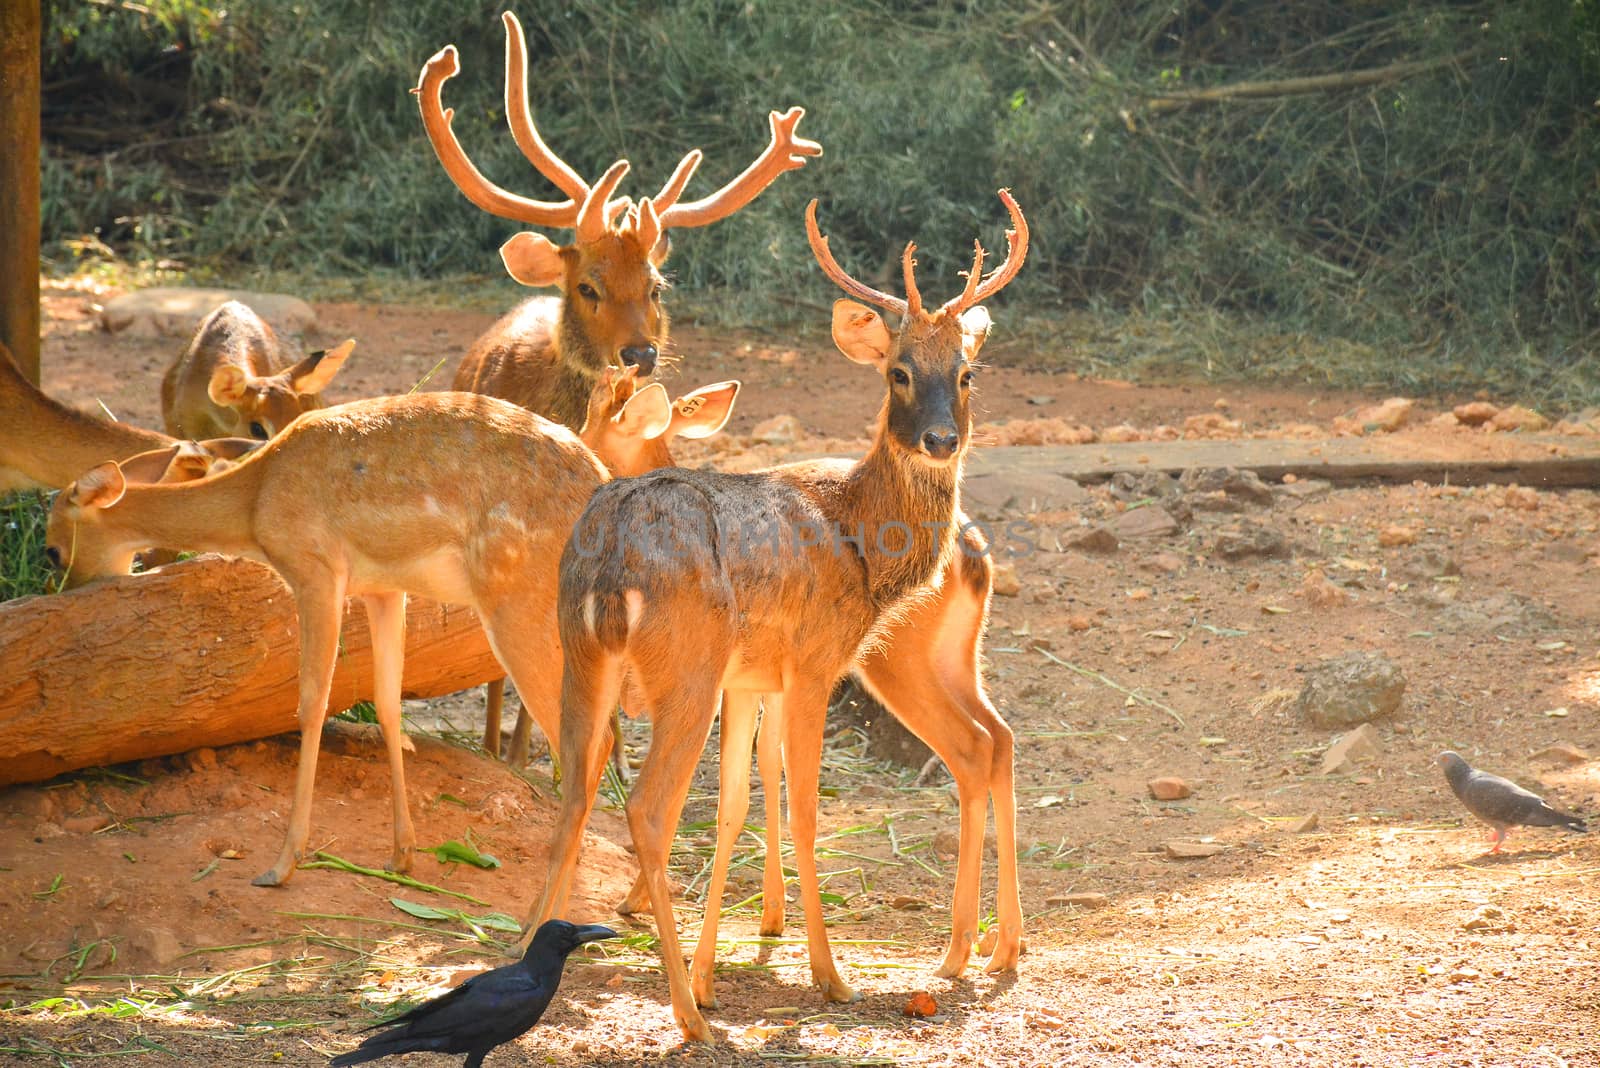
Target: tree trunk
[(19, 182), (201, 653)]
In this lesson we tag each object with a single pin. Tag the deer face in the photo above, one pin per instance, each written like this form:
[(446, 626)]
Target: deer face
[(928, 368), (611, 289), (262, 406), (77, 544)]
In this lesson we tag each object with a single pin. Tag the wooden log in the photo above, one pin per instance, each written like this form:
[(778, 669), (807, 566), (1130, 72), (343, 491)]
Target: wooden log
[(200, 653)]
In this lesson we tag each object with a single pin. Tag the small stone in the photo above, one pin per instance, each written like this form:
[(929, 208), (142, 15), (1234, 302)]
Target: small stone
[(1517, 418), (1395, 535), (1095, 539), (1386, 417), (46, 830), (1249, 541), (1088, 900), (779, 430), (1041, 400), (1522, 498), (155, 945), (1169, 788), (1360, 744), (1562, 753), (94, 821), (1122, 432), (1475, 414), (906, 901), (1318, 592), (1006, 582), (1350, 689), (201, 759), (1304, 825), (1304, 489), (1150, 521), (947, 845), (1192, 850), (1079, 623)]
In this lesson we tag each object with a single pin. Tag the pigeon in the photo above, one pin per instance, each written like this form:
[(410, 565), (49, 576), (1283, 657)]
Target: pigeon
[(486, 1010), (1501, 803)]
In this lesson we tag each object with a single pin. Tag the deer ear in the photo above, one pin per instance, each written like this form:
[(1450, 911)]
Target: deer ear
[(312, 374), (975, 326), (860, 332), (647, 414), (189, 462), (229, 383), (100, 487), (534, 260), (703, 412)]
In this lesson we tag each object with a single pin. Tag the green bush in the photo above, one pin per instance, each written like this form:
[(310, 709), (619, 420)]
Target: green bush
[(1450, 212)]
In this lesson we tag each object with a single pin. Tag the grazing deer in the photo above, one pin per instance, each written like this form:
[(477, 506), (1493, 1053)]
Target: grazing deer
[(789, 577), (224, 384), (629, 428), (452, 496), (547, 353), (45, 445)]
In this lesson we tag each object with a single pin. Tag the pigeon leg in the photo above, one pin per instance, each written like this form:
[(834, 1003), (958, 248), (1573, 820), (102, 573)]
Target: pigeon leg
[(1499, 837)]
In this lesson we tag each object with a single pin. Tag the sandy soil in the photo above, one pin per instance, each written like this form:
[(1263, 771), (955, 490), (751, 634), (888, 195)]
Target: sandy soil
[(1378, 933)]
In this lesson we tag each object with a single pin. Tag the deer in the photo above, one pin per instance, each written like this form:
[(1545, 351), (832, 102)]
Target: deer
[(224, 384), (546, 353), (792, 576), (46, 445), (456, 497)]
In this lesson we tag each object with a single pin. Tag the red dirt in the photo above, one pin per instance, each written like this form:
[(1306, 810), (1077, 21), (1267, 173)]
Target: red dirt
[(1382, 935)]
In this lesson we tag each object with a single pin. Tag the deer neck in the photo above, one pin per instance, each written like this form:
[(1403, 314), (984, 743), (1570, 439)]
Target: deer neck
[(50, 444), (215, 514), (904, 511)]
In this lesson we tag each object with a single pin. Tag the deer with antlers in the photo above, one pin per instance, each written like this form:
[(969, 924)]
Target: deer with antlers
[(546, 353), (791, 576), (224, 384), (455, 497)]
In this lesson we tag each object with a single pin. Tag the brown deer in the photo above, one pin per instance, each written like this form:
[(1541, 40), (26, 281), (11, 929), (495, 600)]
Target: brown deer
[(629, 428), (451, 496), (547, 353), (788, 578), (224, 383), (45, 445)]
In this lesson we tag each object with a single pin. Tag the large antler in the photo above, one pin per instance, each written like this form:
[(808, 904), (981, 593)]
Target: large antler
[(831, 268), (978, 291), (784, 152)]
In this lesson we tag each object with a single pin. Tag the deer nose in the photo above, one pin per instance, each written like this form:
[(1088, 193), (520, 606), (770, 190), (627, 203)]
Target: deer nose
[(941, 443), (641, 356)]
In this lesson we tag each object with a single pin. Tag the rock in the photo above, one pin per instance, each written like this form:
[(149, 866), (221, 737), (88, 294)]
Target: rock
[(906, 901), (1517, 418), (1522, 498), (1192, 850), (1318, 592), (946, 845), (1168, 788), (1475, 414), (1396, 535), (1304, 489), (1078, 900), (1250, 540), (1004, 494), (1563, 753), (1352, 747), (175, 311), (94, 821), (1304, 824), (1080, 623), (1211, 425), (1350, 689), (779, 430), (1162, 563), (1122, 432), (1151, 521), (155, 945), (1386, 417), (1095, 539), (1141, 486), (1006, 582), (1041, 400)]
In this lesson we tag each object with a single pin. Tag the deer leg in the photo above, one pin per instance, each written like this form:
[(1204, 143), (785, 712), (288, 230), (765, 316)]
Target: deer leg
[(769, 761), (733, 802), (320, 607), (494, 699), (805, 712), (531, 655), (386, 619)]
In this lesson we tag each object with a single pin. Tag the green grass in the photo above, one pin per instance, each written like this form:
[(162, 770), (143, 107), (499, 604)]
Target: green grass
[(23, 570)]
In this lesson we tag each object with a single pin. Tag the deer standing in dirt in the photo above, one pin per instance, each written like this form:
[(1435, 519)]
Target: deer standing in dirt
[(224, 383), (789, 577), (547, 353), (456, 497), (45, 445)]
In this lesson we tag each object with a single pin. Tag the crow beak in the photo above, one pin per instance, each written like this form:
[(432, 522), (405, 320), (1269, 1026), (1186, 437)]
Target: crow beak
[(592, 932)]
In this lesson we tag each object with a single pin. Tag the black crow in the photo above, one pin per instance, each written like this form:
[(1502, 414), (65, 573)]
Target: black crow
[(487, 1009)]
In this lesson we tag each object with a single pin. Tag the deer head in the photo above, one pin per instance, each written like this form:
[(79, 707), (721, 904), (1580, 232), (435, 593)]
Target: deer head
[(265, 404), (610, 275), (928, 362), (630, 427)]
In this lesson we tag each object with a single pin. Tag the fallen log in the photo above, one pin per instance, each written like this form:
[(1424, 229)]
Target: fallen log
[(201, 653)]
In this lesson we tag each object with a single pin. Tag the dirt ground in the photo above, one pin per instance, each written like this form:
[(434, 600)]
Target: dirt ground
[(1341, 919)]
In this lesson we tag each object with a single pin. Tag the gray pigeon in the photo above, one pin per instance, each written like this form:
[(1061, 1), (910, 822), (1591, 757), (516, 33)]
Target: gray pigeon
[(1501, 803)]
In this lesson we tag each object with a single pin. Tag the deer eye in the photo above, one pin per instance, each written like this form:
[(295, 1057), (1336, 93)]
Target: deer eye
[(966, 380), (655, 294), (259, 431), (900, 377), (587, 291)]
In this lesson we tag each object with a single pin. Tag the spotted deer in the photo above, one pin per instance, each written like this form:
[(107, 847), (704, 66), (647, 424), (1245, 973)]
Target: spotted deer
[(456, 497), (546, 353), (45, 445), (224, 384), (789, 578)]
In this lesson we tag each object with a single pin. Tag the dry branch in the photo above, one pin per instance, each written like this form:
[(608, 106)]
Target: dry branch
[(1162, 103), (202, 653)]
